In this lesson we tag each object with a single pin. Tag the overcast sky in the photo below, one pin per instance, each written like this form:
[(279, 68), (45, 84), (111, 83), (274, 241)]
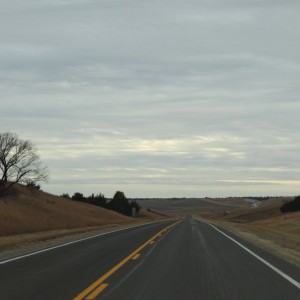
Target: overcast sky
[(156, 98)]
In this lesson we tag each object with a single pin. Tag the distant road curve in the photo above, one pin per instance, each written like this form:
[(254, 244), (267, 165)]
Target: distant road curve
[(185, 259)]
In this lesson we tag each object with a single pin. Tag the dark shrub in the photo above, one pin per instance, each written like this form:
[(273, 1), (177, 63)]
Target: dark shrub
[(291, 205), (78, 197), (32, 184), (120, 204)]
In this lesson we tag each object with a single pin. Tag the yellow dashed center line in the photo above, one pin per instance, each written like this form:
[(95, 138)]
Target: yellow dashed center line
[(97, 291), (136, 256), (98, 286)]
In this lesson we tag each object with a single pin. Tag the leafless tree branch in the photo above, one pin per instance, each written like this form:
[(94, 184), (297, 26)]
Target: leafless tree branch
[(19, 162)]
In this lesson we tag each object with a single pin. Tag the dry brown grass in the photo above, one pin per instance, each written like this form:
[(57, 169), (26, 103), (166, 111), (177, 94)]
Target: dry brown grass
[(267, 227), (154, 214), (231, 202), (32, 220), (30, 210), (266, 210)]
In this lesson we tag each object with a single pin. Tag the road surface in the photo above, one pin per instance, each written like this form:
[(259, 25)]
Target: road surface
[(179, 260)]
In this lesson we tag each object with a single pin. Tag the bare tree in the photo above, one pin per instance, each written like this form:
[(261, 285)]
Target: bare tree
[(19, 162)]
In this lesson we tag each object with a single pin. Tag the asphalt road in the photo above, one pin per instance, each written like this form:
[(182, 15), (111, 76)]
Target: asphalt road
[(184, 260)]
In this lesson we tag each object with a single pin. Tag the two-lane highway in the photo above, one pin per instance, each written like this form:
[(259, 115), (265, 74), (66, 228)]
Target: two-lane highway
[(188, 259), (64, 272)]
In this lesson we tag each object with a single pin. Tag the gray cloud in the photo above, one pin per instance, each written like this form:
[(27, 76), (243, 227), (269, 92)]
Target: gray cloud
[(157, 98)]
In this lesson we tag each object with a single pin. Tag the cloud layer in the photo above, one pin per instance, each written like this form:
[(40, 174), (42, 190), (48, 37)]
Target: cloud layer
[(172, 98)]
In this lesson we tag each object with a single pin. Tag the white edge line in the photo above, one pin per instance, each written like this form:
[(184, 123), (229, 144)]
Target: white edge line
[(70, 243), (285, 276)]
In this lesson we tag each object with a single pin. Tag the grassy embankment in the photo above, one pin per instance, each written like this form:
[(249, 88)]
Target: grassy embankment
[(31, 215), (265, 226)]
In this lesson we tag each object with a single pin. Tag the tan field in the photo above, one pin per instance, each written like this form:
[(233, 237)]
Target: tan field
[(31, 210), (31, 216)]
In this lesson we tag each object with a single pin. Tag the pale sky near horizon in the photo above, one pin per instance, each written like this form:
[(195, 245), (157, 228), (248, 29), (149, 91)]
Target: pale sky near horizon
[(156, 98)]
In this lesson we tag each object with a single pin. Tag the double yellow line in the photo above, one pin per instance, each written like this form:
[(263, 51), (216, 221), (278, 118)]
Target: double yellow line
[(99, 286)]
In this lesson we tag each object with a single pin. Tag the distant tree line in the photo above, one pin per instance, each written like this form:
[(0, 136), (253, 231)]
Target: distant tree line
[(291, 205), (118, 203), (260, 198)]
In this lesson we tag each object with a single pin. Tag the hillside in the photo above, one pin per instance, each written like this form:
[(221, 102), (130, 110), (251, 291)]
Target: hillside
[(266, 226), (31, 210)]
